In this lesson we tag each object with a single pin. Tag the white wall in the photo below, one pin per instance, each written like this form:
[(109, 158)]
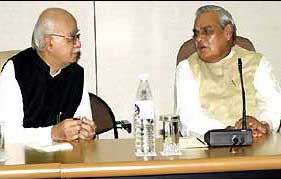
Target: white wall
[(140, 36), (137, 37)]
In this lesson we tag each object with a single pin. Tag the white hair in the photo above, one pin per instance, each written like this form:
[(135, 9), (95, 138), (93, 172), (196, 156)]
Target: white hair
[(225, 17), (42, 27)]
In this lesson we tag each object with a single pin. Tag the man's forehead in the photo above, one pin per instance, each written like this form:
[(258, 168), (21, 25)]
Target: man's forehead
[(209, 18), (70, 27)]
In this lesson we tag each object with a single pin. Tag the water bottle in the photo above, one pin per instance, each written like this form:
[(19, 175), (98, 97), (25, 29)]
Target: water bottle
[(144, 124)]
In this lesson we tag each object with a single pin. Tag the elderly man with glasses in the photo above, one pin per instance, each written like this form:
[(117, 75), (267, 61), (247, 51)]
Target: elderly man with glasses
[(42, 88), (208, 87)]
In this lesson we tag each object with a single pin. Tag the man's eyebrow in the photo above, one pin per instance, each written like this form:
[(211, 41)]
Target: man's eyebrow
[(75, 32), (195, 30), (205, 27)]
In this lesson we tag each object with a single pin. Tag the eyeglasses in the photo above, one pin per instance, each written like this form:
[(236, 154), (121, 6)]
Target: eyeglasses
[(73, 38), (206, 31)]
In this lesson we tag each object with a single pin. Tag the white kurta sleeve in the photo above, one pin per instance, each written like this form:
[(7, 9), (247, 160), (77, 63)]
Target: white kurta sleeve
[(193, 117), (11, 111), (84, 108), (268, 95)]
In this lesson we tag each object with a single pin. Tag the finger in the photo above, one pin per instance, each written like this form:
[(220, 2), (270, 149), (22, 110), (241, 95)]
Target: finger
[(71, 122), (71, 128), (87, 127), (254, 125), (90, 124), (260, 134), (71, 132), (238, 124), (255, 134), (74, 137), (262, 128), (86, 120), (250, 125), (85, 135)]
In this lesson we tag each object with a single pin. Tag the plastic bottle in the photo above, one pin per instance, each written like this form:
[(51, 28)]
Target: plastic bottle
[(144, 123)]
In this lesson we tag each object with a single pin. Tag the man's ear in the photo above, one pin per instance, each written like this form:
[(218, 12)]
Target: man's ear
[(228, 30), (48, 43)]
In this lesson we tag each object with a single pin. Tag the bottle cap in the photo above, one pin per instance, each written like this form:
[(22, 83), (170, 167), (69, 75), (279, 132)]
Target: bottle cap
[(143, 76)]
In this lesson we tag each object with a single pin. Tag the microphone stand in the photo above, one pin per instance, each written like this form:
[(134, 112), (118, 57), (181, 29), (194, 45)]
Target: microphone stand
[(244, 120)]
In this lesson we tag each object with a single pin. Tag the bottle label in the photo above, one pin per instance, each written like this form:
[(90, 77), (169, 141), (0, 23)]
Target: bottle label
[(144, 128), (144, 109)]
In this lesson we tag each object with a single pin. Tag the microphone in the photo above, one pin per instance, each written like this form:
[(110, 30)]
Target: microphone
[(244, 120), (232, 137)]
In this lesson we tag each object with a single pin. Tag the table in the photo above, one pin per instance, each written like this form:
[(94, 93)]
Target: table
[(115, 157)]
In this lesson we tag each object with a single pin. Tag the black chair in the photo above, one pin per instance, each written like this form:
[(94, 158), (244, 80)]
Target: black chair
[(104, 117)]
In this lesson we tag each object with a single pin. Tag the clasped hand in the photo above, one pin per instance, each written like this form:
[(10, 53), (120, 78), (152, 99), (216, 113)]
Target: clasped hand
[(71, 129), (259, 128)]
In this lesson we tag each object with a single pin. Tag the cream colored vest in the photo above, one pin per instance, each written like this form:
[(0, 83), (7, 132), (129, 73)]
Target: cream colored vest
[(220, 87)]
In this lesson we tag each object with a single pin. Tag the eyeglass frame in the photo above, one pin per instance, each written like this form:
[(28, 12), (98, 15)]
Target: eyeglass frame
[(206, 31), (73, 38)]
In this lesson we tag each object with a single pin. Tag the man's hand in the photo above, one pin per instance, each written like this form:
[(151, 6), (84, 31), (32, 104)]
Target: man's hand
[(66, 130), (88, 129), (259, 129)]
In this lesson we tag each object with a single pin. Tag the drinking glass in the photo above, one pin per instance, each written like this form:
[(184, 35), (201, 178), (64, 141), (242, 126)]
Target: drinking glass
[(2, 140), (170, 133)]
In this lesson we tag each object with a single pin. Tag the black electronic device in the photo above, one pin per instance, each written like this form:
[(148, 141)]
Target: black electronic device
[(125, 124)]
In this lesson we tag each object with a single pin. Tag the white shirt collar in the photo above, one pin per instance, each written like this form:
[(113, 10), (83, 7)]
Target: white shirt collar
[(55, 74)]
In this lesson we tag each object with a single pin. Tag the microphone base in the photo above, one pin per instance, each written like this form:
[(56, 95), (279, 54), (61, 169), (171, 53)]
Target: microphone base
[(228, 137)]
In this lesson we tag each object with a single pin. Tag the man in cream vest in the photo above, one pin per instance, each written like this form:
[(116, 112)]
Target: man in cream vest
[(208, 87)]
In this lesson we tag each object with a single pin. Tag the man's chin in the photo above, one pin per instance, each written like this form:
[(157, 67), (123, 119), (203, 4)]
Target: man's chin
[(208, 58), (77, 56), (202, 55), (205, 57)]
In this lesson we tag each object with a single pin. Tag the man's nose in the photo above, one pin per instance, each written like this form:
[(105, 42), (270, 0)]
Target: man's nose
[(77, 43), (200, 36), (197, 39)]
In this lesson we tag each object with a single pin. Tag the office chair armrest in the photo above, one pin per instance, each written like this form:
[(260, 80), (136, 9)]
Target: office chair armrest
[(124, 124)]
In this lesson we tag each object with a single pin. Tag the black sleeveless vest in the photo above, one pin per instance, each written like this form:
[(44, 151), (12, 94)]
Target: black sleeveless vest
[(44, 97)]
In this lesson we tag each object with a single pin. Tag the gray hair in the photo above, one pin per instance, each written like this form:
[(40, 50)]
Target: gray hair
[(42, 27), (225, 17)]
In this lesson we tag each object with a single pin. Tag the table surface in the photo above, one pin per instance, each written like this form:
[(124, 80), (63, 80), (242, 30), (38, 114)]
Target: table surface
[(111, 157)]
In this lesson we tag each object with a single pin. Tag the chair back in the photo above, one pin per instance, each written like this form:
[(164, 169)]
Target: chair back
[(5, 55), (188, 47), (102, 115)]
